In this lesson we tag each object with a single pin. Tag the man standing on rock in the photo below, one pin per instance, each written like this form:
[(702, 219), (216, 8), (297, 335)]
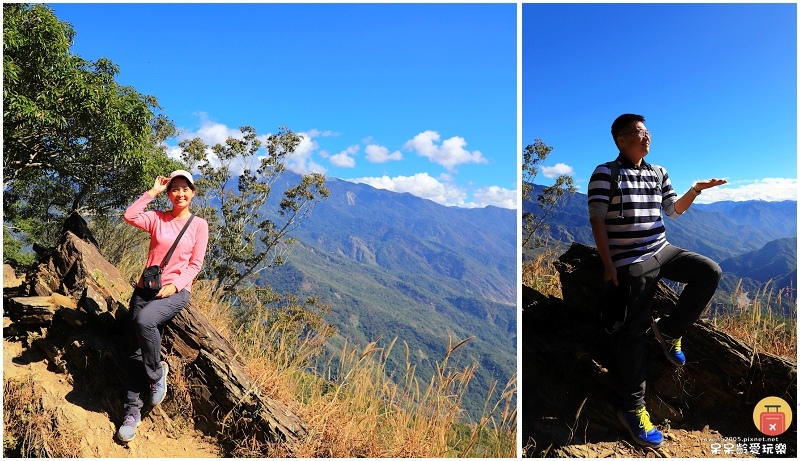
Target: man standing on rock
[(626, 199)]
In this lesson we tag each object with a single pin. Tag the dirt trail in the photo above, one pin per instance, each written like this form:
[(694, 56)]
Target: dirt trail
[(98, 432), (678, 443), (686, 442)]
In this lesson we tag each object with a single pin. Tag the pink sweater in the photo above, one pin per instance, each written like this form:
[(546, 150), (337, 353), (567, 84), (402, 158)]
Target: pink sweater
[(186, 261)]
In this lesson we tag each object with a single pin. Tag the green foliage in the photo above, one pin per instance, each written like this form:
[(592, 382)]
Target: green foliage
[(13, 253), (534, 225), (74, 139), (247, 235)]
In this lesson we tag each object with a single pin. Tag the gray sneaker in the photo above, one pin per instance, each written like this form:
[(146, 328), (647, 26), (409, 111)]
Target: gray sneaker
[(127, 431), (158, 390)]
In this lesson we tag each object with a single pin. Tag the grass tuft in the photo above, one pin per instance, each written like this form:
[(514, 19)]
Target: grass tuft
[(540, 274), (31, 429), (761, 321)]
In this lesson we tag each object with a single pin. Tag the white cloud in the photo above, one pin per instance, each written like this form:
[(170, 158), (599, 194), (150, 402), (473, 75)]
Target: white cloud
[(213, 133), (380, 154), (421, 185), (315, 133), (210, 132), (344, 158), (450, 153), (444, 193), (446, 177), (497, 196), (767, 189), (301, 161), (174, 152), (557, 170)]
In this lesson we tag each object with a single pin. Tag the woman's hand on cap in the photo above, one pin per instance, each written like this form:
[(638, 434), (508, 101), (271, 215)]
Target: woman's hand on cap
[(159, 186)]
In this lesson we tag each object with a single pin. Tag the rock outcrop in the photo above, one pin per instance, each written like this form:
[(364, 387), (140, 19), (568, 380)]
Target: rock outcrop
[(74, 307), (568, 371), (10, 279)]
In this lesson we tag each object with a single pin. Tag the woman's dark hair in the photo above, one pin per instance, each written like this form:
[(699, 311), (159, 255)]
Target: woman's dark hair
[(622, 122)]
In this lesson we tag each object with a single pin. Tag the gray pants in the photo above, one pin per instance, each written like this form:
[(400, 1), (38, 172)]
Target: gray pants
[(701, 276), (147, 316)]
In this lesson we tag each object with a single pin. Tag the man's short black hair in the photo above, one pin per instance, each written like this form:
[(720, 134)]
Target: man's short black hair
[(622, 122)]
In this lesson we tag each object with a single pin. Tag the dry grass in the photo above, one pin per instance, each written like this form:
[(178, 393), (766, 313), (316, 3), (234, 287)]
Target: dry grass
[(760, 322), (122, 245), (365, 413), (540, 274), (209, 301), (178, 408), (32, 430), (354, 408)]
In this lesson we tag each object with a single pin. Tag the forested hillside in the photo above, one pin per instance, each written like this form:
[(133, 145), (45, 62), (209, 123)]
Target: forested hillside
[(396, 266)]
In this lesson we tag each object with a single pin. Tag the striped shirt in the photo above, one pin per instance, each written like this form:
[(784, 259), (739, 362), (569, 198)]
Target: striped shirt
[(633, 214)]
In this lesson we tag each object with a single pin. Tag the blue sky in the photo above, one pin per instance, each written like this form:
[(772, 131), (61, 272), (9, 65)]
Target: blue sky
[(411, 97), (717, 84)]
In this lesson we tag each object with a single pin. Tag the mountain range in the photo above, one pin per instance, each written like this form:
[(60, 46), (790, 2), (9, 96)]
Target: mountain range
[(753, 241), (393, 265), (775, 262)]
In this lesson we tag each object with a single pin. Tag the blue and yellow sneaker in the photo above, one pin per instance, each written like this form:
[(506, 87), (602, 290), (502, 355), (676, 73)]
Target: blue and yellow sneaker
[(670, 345), (642, 430)]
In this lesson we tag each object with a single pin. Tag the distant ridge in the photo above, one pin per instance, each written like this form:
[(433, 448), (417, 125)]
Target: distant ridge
[(719, 230), (776, 262)]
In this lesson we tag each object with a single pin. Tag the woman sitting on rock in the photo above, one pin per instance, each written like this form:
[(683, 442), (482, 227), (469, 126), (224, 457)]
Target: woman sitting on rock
[(178, 243)]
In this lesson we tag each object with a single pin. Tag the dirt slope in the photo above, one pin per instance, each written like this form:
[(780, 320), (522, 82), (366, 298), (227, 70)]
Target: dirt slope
[(678, 443), (98, 432)]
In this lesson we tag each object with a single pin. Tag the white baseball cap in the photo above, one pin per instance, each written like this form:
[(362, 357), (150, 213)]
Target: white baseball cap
[(183, 174)]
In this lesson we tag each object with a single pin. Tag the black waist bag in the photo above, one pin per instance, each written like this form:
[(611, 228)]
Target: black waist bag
[(151, 277), (613, 306)]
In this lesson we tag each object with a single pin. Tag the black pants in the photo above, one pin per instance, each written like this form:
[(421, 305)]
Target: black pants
[(148, 314), (701, 276)]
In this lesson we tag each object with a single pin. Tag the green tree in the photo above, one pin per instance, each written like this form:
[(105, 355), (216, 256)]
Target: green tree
[(13, 254), (534, 224), (246, 234), (73, 138)]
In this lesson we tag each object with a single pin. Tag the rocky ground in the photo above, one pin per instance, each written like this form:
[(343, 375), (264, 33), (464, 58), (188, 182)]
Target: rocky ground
[(97, 431), (95, 428), (64, 326), (678, 443)]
